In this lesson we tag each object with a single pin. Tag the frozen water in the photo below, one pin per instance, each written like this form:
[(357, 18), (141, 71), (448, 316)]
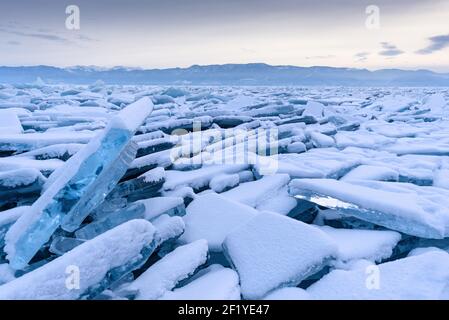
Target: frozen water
[(210, 171)]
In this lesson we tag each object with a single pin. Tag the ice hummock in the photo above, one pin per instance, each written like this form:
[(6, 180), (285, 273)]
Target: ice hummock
[(79, 186)]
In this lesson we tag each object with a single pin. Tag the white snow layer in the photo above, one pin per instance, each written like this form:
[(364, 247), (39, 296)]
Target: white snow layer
[(273, 251)]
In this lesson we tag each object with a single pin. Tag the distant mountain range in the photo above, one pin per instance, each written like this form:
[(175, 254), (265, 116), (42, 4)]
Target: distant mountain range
[(228, 74)]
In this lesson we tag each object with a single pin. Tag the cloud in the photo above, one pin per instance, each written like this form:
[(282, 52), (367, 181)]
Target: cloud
[(44, 36), (361, 56), (86, 38), (436, 43), (14, 43), (17, 29), (390, 50)]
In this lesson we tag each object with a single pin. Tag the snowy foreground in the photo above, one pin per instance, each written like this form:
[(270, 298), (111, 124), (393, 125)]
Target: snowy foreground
[(137, 192)]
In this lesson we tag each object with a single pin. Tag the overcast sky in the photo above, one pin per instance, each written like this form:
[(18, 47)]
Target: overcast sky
[(413, 34)]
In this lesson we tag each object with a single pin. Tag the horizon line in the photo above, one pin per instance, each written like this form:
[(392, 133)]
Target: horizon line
[(217, 64)]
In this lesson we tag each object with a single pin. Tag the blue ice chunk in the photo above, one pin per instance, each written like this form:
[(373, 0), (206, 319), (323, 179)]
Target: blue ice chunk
[(134, 211), (77, 188), (144, 186), (61, 244)]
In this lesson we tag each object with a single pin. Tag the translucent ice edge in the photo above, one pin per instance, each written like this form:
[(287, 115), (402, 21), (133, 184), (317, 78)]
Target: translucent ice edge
[(398, 223)]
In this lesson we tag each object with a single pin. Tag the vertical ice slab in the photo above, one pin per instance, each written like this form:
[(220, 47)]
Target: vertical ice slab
[(78, 187)]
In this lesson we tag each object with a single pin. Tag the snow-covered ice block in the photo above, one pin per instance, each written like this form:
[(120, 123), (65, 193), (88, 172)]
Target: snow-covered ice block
[(316, 163), (100, 262), (57, 151), (396, 130), (6, 273), (441, 179), (8, 218), (9, 122), (46, 167), (224, 181), (421, 146), (280, 201), (200, 178), (272, 251), (217, 284), (213, 217), (420, 277), (31, 141), (20, 183), (414, 210), (144, 186), (143, 164), (367, 172), (255, 192), (155, 207), (372, 245), (320, 140), (165, 274), (79, 186), (155, 145), (314, 109), (168, 227), (362, 139)]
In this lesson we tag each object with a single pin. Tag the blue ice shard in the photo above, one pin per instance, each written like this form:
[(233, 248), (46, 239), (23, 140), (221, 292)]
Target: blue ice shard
[(61, 245), (144, 186), (78, 187), (133, 211)]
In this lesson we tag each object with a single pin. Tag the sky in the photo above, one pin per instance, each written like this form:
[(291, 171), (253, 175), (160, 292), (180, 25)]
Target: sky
[(406, 34)]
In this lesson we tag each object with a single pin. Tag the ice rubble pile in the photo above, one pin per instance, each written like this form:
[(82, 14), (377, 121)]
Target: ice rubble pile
[(140, 192)]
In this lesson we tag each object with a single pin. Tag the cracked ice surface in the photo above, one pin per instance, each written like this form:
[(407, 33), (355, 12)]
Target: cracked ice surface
[(223, 192)]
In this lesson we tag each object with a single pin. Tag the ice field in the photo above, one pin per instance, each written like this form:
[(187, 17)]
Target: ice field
[(228, 193)]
